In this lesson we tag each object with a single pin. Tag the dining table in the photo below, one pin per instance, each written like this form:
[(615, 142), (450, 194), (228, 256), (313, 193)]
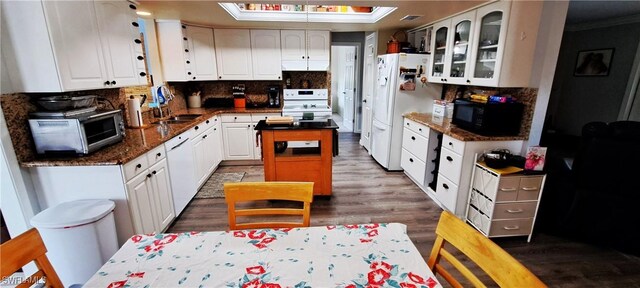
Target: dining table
[(358, 255)]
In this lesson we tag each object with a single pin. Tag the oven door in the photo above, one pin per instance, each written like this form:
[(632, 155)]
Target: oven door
[(103, 129)]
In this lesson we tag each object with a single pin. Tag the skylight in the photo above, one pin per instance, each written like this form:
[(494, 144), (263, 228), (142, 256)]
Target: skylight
[(306, 13)]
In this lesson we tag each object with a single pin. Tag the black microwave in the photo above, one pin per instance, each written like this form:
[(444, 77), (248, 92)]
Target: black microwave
[(489, 119)]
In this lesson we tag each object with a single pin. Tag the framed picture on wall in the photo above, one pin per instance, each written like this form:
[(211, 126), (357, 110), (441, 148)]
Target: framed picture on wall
[(594, 62)]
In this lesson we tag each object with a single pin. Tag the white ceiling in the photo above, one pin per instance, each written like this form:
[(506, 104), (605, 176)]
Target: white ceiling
[(211, 14)]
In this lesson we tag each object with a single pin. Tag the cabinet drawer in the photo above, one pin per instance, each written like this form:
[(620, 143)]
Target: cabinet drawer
[(413, 166), (156, 154), (507, 189), (529, 188), (417, 127), (135, 166), (447, 193), (479, 220), (485, 182), (511, 227), (454, 145), (482, 203), (236, 118), (514, 210), (255, 117), (416, 144), (450, 165)]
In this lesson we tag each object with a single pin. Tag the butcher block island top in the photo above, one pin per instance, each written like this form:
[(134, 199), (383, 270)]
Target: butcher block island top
[(308, 164)]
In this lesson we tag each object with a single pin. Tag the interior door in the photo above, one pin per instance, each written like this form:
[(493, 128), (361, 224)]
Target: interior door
[(349, 87), (368, 87)]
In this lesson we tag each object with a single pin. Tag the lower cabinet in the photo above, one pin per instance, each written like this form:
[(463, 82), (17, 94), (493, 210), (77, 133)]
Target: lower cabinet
[(207, 149), (503, 205), (149, 194), (239, 136)]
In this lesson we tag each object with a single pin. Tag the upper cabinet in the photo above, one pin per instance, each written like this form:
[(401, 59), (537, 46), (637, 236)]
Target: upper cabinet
[(486, 47), (188, 52), (233, 54), (71, 45), (265, 54), (305, 50)]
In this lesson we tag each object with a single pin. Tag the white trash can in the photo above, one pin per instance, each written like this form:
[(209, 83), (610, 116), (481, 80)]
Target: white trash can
[(80, 237)]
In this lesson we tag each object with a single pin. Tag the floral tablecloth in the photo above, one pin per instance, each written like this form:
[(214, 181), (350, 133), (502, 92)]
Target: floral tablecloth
[(366, 255)]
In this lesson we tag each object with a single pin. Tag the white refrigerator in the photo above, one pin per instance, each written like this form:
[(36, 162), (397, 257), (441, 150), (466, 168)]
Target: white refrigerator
[(395, 97)]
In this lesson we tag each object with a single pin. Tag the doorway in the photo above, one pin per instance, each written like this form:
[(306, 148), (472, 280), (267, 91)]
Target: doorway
[(344, 70)]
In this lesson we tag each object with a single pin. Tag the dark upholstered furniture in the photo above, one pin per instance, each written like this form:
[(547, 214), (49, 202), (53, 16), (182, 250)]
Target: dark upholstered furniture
[(598, 200)]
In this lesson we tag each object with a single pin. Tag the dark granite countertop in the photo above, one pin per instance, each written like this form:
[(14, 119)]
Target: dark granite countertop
[(443, 125), (300, 125), (140, 141)]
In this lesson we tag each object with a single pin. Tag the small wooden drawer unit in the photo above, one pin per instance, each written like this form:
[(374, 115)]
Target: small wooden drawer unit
[(503, 205)]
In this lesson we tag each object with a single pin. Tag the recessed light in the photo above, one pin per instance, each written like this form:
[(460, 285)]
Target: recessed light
[(143, 13), (410, 17)]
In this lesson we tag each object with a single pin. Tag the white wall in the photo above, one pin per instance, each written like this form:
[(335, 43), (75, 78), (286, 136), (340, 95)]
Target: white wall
[(335, 75)]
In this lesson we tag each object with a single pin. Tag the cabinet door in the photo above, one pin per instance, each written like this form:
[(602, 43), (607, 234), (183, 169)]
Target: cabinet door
[(237, 138), (141, 204), (76, 43), (265, 53), (488, 47), (199, 155), (202, 53), (460, 40), (118, 34), (233, 55), (162, 194), (216, 146), (209, 152), (294, 50), (439, 51), (318, 50)]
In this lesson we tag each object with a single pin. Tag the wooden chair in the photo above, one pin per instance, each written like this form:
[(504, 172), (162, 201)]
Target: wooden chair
[(505, 270), (256, 191), (23, 249)]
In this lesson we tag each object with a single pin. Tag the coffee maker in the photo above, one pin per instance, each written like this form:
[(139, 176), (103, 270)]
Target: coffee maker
[(273, 94)]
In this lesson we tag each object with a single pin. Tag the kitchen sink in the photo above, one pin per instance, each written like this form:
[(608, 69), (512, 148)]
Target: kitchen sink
[(172, 121), (184, 117)]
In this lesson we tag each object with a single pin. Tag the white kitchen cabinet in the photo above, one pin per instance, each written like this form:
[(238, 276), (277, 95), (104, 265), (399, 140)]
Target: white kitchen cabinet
[(71, 45), (233, 54), (207, 149), (200, 161), (141, 203), (499, 51), (418, 152), (187, 52), (305, 50), (265, 54), (452, 57), (238, 141), (503, 205), (162, 188)]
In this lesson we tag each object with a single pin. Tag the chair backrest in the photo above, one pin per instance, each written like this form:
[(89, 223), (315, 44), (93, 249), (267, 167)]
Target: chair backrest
[(505, 270), (23, 249), (257, 191)]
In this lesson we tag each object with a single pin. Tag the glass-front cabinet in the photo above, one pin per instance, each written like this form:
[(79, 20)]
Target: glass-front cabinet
[(439, 51), (490, 30), (461, 54)]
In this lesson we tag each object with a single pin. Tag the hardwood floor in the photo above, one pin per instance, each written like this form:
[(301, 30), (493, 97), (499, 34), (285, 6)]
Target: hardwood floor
[(363, 192)]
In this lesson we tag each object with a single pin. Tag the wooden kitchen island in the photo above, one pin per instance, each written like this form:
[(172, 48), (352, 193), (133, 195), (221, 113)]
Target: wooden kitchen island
[(312, 164)]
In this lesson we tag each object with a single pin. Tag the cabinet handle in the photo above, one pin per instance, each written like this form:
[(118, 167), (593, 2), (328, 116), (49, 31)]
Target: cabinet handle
[(468, 81), (215, 119), (138, 166), (149, 175), (188, 73), (207, 121), (188, 62), (445, 186), (194, 77), (365, 100), (143, 74), (302, 56), (529, 188), (420, 129), (515, 211), (107, 82), (135, 24), (196, 128), (219, 77), (154, 172), (186, 50), (411, 160), (137, 41), (133, 6), (413, 138), (159, 154), (204, 136), (307, 57), (235, 118), (507, 189), (113, 82), (140, 58), (279, 77), (514, 227), (450, 144), (214, 129), (449, 158), (248, 125), (184, 27), (408, 124), (184, 38), (445, 80)]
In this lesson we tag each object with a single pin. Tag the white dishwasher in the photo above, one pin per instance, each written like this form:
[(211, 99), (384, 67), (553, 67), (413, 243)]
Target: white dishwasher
[(181, 170)]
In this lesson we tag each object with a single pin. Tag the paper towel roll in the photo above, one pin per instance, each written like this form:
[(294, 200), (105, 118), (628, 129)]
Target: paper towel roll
[(135, 114)]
